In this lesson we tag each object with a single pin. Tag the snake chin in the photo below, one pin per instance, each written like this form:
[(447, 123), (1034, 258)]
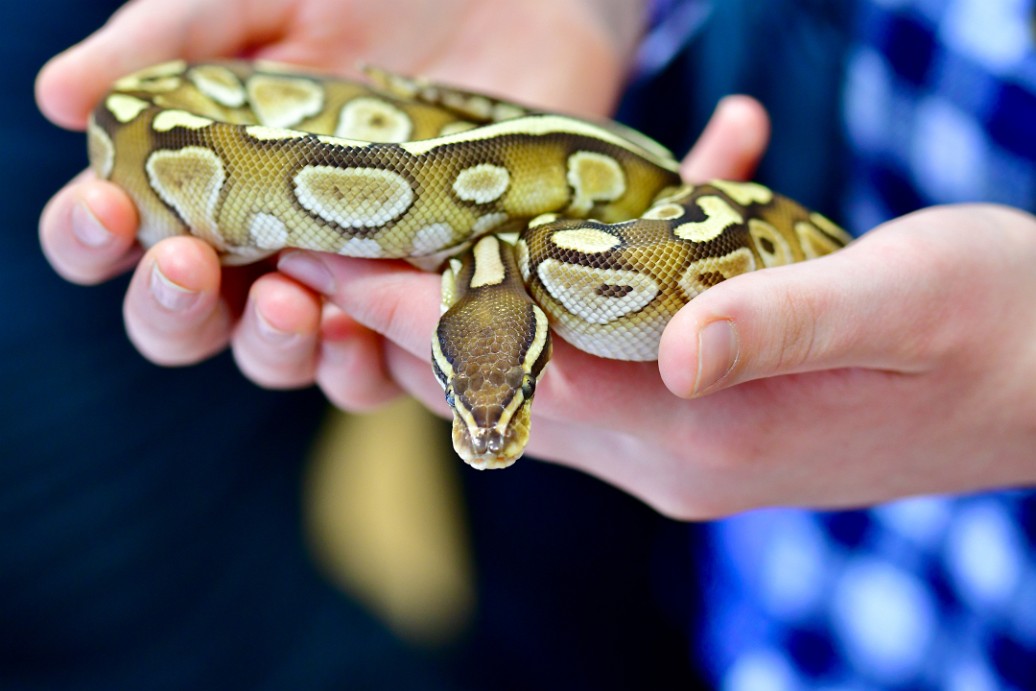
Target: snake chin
[(488, 449)]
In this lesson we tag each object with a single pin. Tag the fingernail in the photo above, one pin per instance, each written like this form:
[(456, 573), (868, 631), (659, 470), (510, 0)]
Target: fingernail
[(717, 354), (173, 297), (305, 269), (271, 334), (87, 229)]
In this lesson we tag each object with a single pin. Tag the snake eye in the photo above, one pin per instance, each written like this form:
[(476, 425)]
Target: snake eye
[(528, 387), (450, 401)]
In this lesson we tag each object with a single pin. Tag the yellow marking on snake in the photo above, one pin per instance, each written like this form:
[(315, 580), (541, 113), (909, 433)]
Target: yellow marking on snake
[(362, 247), (138, 79), (744, 193), (101, 149), (772, 246), (594, 178), (482, 184), (485, 223), (705, 273), (664, 212), (432, 238), (125, 108), (353, 197), (263, 133), (190, 180), (597, 296), (373, 119), (169, 119), (719, 216), (268, 232), (218, 83), (489, 269), (586, 240), (284, 101)]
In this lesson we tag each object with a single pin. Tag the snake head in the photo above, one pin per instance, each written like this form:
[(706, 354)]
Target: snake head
[(489, 349), (491, 419)]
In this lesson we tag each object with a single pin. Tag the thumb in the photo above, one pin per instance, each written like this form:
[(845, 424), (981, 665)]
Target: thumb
[(860, 307)]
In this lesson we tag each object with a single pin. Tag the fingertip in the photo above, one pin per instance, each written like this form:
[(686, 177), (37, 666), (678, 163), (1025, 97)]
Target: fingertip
[(87, 231), (351, 368), (65, 94), (698, 353), (188, 263), (732, 142), (275, 343)]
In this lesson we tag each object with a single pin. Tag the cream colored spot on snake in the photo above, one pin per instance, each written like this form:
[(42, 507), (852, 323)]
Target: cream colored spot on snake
[(472, 105), (353, 197), (281, 101), (101, 150), (485, 223), (521, 255), (719, 216), (594, 178), (168, 119), (489, 268), (190, 180), (664, 212), (432, 238), (361, 247), (482, 184), (542, 220), (373, 120), (218, 83), (586, 240), (597, 296), (273, 133), (268, 232), (705, 273), (125, 108), (830, 228), (507, 111), (160, 72), (744, 193), (772, 246), (814, 242)]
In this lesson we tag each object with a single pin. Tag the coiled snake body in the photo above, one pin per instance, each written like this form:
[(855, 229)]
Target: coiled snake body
[(539, 220)]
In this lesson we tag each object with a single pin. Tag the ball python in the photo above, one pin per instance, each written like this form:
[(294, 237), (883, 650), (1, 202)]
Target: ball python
[(537, 221)]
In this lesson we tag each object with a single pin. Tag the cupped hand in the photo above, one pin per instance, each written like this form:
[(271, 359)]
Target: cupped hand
[(903, 364), (181, 307)]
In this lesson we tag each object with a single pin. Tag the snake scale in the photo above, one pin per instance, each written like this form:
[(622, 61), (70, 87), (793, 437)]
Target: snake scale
[(538, 221)]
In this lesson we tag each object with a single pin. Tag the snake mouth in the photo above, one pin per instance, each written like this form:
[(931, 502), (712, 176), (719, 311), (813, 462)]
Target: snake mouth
[(486, 448)]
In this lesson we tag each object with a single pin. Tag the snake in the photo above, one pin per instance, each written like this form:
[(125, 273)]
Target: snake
[(537, 221)]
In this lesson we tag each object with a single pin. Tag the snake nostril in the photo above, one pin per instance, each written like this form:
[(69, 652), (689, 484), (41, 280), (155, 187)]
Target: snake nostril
[(479, 442), (496, 441)]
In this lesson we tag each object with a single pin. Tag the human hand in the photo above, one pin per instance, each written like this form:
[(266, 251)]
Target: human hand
[(901, 365), (181, 306)]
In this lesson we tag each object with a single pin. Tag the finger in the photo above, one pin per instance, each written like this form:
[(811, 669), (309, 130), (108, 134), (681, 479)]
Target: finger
[(387, 297), (275, 344), (144, 33), (732, 142), (174, 312), (87, 231), (863, 306), (352, 371)]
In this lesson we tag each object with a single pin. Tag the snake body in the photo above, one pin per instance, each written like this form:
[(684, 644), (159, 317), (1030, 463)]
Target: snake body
[(537, 220)]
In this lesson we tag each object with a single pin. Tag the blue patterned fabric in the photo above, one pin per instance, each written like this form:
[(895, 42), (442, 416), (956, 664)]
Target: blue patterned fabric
[(937, 592)]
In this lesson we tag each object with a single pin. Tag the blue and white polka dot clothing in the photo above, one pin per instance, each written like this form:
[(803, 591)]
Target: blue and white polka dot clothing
[(936, 592)]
